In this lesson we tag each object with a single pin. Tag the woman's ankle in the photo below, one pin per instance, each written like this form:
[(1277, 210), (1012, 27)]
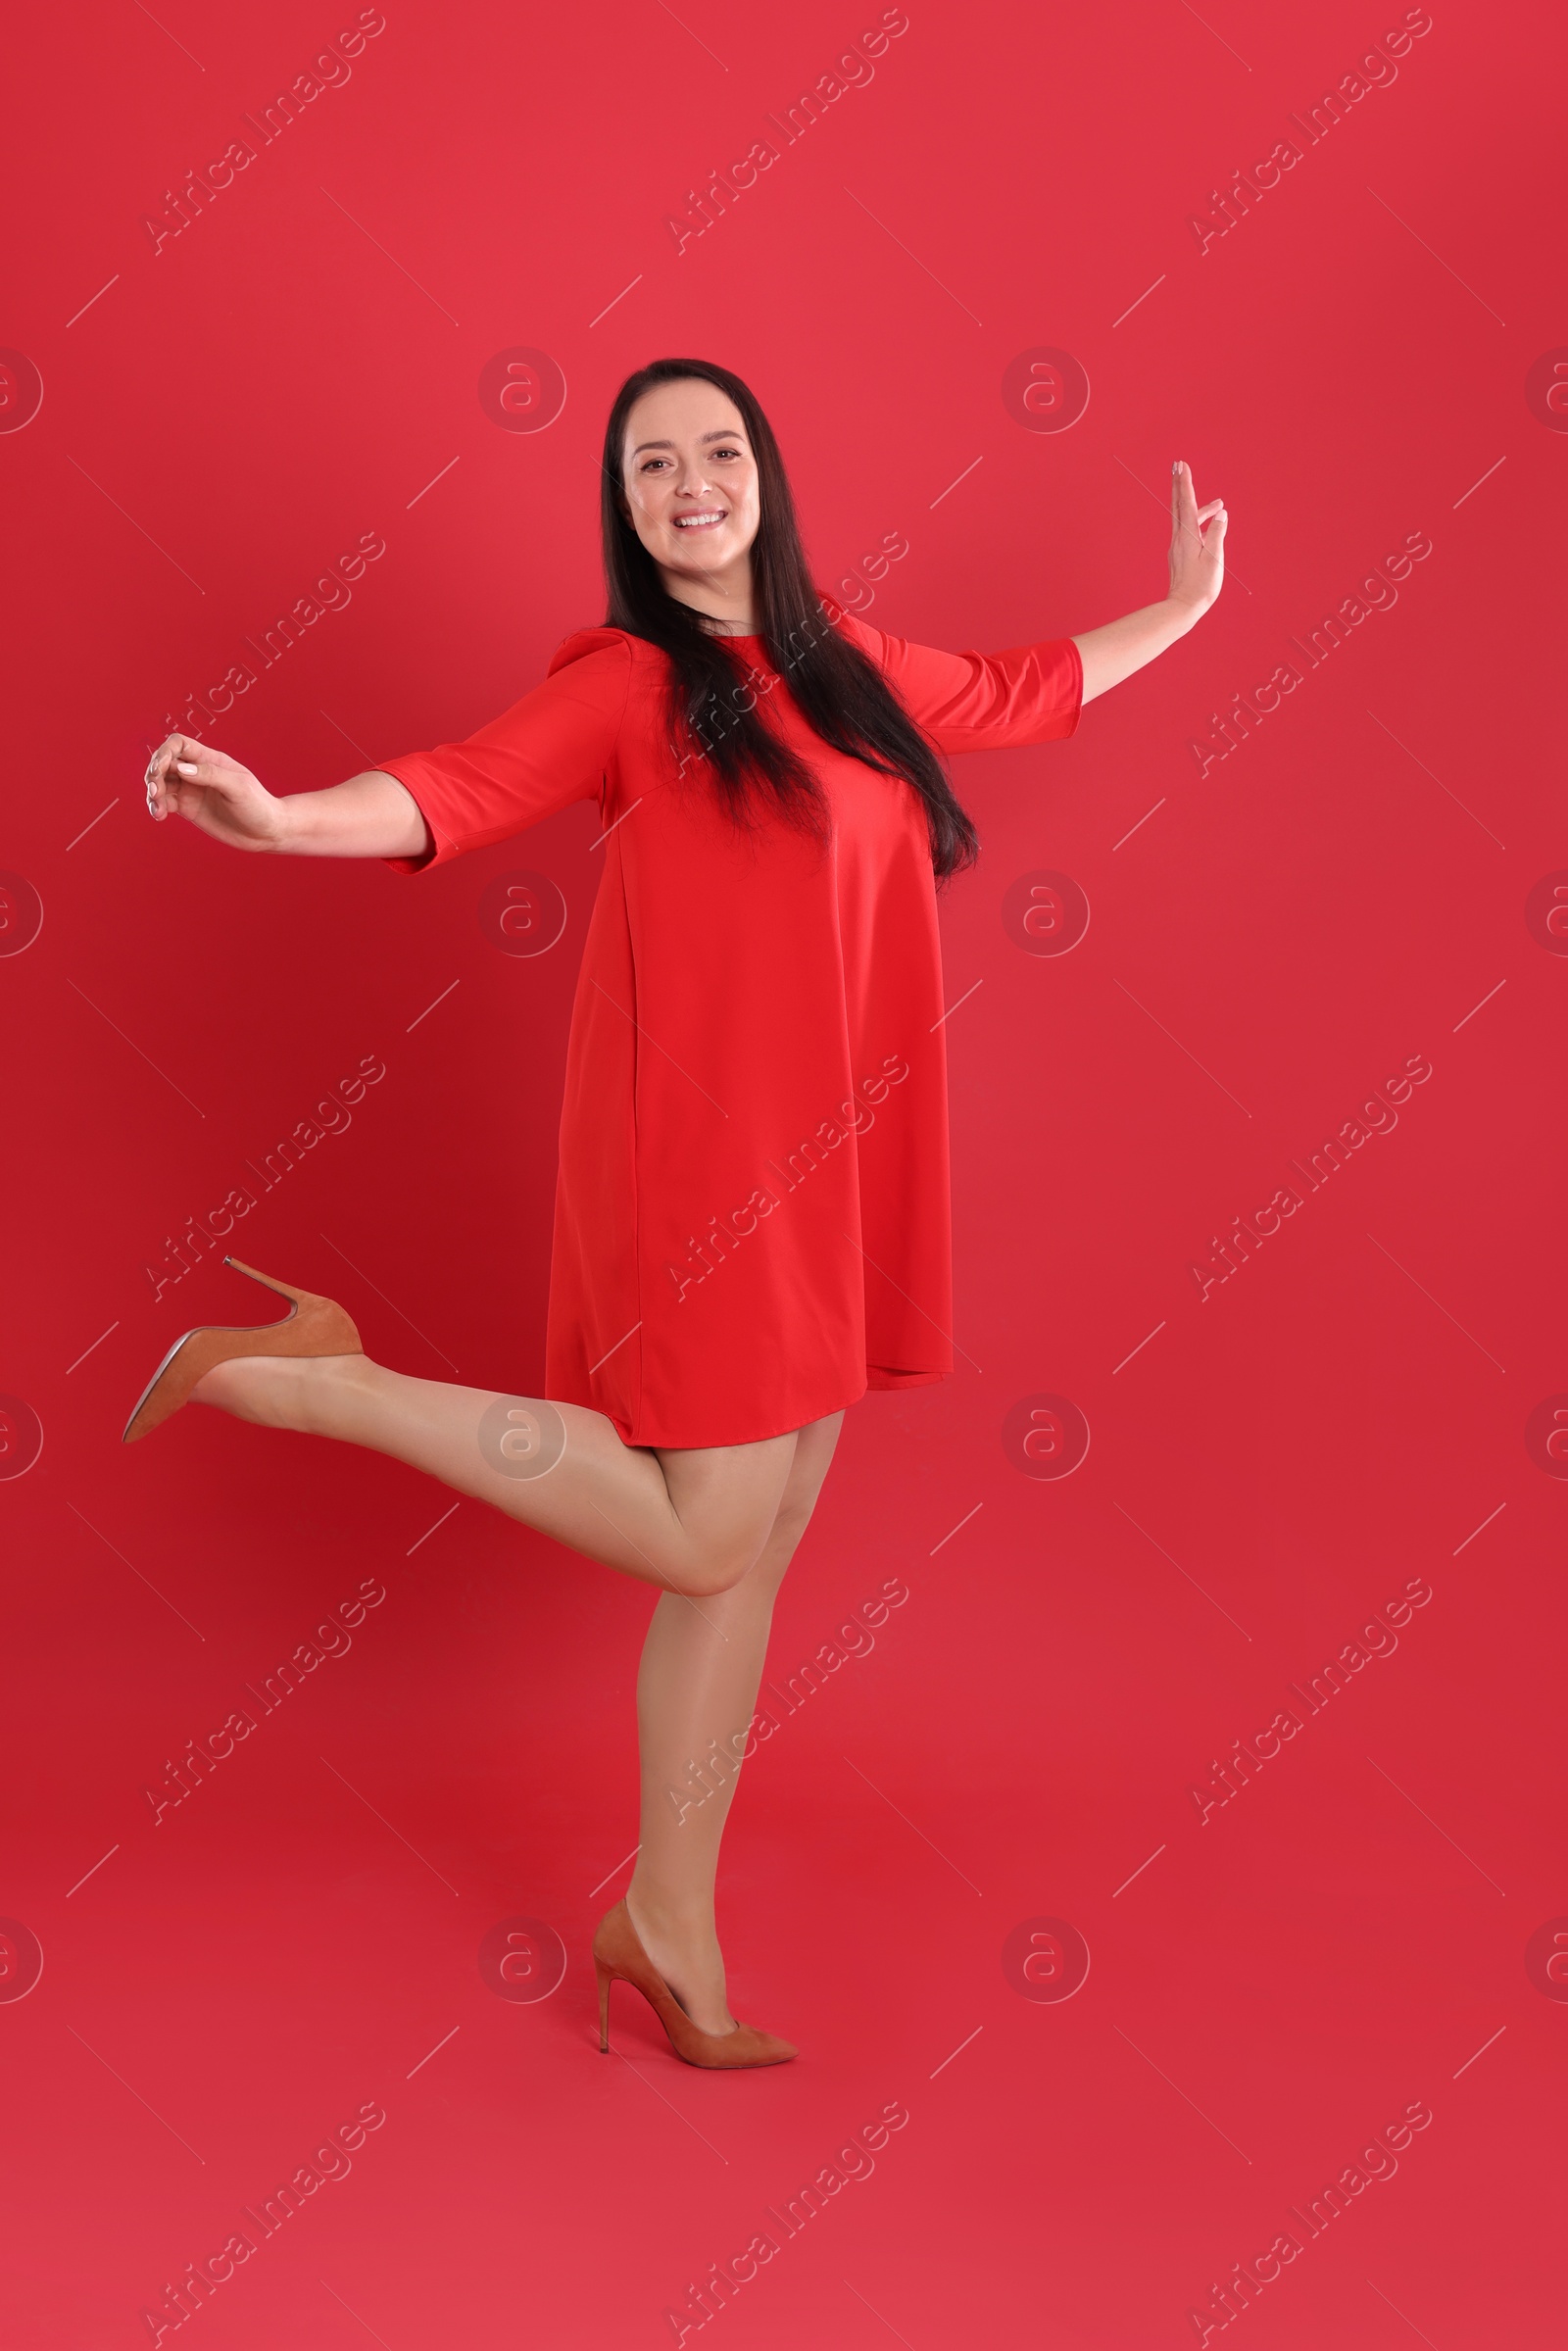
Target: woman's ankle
[(673, 1915), (679, 1934)]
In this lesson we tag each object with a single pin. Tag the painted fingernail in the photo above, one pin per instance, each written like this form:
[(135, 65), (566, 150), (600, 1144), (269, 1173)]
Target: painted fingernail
[(184, 768)]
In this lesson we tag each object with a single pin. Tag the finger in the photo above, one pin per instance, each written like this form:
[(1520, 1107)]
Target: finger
[(172, 747), (196, 767), (157, 769), (178, 760), (179, 746), (1188, 518)]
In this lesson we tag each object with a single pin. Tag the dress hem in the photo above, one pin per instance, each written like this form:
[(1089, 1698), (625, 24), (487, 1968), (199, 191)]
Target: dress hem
[(877, 1378)]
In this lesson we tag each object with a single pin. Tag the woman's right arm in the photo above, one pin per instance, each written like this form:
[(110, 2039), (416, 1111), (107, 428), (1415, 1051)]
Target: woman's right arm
[(372, 815)]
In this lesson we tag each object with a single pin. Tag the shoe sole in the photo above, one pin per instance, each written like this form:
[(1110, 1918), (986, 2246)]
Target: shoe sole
[(126, 1436)]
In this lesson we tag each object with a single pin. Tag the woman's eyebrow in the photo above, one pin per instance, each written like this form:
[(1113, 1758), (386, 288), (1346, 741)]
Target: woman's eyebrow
[(707, 436)]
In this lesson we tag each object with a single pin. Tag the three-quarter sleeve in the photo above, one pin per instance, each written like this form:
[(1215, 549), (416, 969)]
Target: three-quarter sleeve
[(981, 701), (547, 750)]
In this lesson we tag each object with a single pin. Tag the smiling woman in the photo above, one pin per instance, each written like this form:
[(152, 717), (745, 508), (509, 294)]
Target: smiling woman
[(700, 554), (776, 818)]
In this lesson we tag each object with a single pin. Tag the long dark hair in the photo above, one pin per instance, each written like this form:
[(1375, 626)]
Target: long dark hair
[(839, 691)]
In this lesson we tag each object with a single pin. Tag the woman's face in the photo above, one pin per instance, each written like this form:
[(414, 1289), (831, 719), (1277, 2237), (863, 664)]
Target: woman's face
[(690, 482)]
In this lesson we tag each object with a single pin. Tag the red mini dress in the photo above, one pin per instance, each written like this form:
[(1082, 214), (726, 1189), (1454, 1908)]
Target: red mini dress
[(752, 1209)]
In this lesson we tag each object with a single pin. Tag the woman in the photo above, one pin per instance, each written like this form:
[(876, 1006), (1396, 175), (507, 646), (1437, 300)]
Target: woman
[(752, 1212)]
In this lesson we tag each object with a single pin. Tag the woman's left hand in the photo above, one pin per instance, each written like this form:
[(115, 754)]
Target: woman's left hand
[(1197, 543), (1197, 574)]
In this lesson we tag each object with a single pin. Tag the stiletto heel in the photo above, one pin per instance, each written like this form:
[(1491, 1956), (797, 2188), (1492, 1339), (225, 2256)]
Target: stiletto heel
[(619, 1952), (312, 1326)]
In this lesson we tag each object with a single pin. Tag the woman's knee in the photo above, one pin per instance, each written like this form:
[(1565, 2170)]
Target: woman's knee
[(782, 1544), (705, 1572), (720, 1567), (725, 1504)]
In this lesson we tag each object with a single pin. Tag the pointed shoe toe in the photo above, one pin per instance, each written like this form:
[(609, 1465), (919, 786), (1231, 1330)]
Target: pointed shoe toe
[(762, 2048), (619, 1954), (312, 1326)]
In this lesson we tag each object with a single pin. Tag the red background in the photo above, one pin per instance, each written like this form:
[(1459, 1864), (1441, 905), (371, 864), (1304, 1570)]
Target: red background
[(222, 418)]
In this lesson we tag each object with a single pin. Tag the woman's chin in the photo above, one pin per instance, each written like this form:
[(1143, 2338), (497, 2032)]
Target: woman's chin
[(701, 556)]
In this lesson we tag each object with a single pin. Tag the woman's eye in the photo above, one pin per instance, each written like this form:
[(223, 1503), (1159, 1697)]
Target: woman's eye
[(649, 462)]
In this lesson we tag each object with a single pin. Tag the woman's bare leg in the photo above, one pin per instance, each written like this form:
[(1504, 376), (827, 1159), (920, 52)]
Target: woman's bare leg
[(696, 1693), (692, 1520), (715, 1526)]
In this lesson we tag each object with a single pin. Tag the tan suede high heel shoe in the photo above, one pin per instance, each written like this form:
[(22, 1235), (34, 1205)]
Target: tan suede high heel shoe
[(312, 1326), (619, 1952)]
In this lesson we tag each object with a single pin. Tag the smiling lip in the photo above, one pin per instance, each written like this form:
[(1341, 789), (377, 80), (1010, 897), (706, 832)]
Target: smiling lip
[(708, 519)]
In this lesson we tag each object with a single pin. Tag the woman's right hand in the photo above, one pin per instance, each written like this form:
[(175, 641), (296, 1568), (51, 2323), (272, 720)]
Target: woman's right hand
[(214, 792)]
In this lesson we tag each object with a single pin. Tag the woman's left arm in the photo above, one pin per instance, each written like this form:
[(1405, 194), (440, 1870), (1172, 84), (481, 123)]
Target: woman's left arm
[(1197, 574)]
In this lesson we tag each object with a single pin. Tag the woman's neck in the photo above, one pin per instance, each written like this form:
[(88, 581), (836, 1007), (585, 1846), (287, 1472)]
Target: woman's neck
[(720, 624), (723, 604)]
